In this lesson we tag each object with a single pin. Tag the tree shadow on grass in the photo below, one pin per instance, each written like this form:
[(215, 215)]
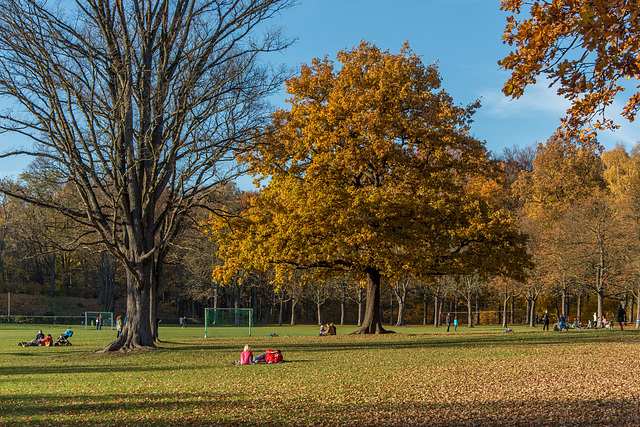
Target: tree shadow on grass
[(237, 408), (467, 341), (409, 341)]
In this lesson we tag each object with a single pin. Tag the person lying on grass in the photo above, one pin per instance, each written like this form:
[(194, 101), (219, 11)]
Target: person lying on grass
[(36, 341), (270, 356)]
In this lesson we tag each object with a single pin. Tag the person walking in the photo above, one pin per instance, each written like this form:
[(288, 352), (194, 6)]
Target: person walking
[(545, 320), (119, 326), (455, 325), (622, 315), (448, 321)]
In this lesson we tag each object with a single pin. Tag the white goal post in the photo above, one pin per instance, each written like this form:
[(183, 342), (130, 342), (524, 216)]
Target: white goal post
[(227, 318), (93, 318)]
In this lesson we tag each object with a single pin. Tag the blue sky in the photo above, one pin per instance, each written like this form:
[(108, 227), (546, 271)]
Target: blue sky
[(462, 36)]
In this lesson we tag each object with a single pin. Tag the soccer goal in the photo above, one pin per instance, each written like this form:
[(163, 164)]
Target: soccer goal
[(227, 318), (98, 320)]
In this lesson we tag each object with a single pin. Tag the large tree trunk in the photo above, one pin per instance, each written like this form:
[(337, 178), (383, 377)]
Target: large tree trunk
[(371, 323), (137, 333), (153, 311)]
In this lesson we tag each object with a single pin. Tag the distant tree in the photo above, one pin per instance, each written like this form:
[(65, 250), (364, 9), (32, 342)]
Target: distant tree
[(588, 48), (140, 106), (466, 287), (564, 171), (401, 290), (373, 173), (515, 160), (596, 233)]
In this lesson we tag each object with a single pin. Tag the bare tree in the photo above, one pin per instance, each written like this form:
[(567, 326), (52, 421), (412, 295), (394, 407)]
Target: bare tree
[(141, 105), (466, 287), (401, 291)]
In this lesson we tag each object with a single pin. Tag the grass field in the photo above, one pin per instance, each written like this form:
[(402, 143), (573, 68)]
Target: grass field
[(418, 376)]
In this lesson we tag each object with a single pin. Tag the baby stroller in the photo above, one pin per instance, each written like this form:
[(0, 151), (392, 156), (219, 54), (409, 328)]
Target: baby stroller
[(63, 339)]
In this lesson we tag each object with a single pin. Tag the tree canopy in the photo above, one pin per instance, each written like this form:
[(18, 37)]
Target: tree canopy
[(589, 48), (140, 106), (372, 172)]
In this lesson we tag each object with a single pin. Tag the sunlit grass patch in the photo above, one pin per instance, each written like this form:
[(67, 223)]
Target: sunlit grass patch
[(486, 377)]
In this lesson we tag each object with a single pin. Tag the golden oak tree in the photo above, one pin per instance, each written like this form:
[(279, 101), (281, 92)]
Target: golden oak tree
[(372, 173), (587, 47), (622, 174)]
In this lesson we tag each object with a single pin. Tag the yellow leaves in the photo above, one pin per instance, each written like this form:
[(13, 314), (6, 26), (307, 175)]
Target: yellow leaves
[(370, 167)]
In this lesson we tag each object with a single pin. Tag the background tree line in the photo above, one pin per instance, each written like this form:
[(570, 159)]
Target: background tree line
[(579, 205), (138, 113)]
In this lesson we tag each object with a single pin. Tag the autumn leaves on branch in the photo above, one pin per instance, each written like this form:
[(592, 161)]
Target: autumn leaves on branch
[(589, 49)]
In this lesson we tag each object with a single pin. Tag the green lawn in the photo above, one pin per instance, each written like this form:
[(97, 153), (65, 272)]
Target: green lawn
[(419, 375)]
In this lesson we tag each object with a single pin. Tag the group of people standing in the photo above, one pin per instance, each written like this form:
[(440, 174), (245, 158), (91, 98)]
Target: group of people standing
[(563, 321), (447, 320)]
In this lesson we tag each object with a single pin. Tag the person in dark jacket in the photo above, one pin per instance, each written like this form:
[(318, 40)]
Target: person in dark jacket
[(545, 320), (622, 315)]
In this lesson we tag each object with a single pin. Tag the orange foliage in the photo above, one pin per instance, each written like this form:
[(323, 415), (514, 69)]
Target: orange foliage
[(372, 168), (586, 47)]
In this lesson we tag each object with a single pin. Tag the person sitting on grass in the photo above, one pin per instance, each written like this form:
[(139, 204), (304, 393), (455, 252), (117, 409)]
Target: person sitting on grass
[(47, 341), (323, 332), (246, 358), (36, 341), (331, 329), (577, 325)]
